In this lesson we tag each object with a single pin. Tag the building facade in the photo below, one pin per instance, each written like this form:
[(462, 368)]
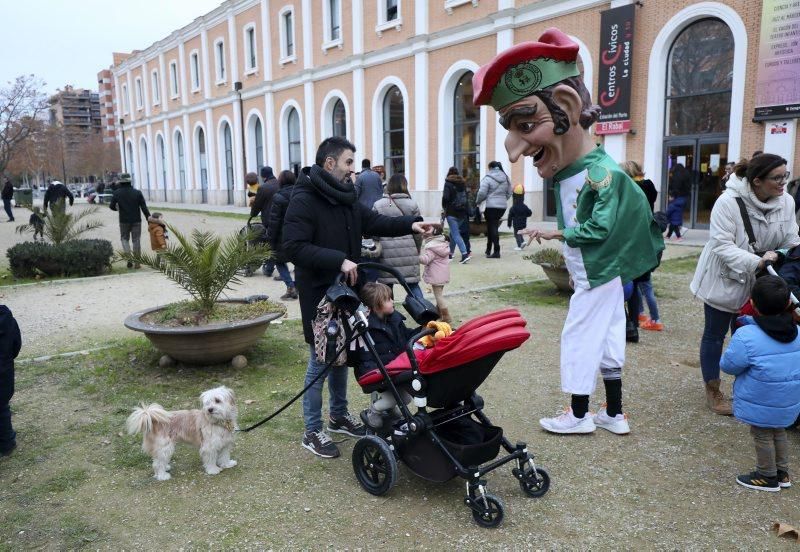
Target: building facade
[(262, 82), (77, 111), (105, 87)]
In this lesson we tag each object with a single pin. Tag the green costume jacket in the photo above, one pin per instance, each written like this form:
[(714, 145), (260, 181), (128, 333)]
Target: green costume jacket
[(613, 226)]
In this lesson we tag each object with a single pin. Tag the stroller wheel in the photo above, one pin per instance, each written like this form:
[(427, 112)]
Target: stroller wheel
[(534, 483), (374, 465), (490, 511)]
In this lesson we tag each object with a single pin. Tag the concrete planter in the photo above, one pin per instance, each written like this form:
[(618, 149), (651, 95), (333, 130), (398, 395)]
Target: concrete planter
[(210, 344), (558, 275)]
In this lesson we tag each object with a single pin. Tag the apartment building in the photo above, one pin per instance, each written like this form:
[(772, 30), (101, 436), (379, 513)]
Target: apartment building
[(77, 111), (262, 82)]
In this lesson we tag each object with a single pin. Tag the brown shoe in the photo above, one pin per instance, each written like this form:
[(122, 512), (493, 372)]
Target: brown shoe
[(716, 401)]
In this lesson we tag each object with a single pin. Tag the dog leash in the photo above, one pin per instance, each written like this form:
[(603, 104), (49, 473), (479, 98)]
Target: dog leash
[(305, 389)]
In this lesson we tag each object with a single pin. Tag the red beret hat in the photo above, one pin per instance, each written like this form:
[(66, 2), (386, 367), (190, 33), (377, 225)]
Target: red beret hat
[(526, 68)]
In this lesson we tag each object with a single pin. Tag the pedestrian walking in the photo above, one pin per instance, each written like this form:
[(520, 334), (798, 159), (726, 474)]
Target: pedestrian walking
[(37, 222), (369, 185), (455, 207), (280, 202), (675, 209), (495, 190), (7, 195), (435, 256), (262, 205), (130, 204), (518, 215), (57, 195), (10, 344), (157, 228)]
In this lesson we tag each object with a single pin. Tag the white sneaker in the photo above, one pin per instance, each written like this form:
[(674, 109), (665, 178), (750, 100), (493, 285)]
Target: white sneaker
[(567, 423), (618, 424), (518, 248)]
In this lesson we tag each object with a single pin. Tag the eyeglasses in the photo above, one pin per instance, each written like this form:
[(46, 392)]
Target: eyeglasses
[(780, 178)]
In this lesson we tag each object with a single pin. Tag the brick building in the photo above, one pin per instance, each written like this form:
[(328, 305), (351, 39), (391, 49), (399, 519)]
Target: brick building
[(77, 111), (257, 82)]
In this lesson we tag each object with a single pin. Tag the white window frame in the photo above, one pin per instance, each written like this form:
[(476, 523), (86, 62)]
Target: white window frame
[(450, 4), (156, 90), (328, 40), (126, 99), (383, 24), (250, 48), (194, 70), (139, 93), (220, 69), (174, 85), (285, 57)]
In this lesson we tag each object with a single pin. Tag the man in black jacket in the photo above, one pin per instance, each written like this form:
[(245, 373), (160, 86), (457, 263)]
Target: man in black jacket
[(322, 234), (57, 195), (7, 195), (263, 204), (130, 204), (10, 344)]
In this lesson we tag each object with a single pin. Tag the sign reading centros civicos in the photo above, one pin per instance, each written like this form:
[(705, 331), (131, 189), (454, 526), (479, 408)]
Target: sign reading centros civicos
[(778, 82), (616, 63)]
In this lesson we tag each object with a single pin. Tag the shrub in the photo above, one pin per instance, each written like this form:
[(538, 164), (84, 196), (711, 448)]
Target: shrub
[(547, 256), (71, 258)]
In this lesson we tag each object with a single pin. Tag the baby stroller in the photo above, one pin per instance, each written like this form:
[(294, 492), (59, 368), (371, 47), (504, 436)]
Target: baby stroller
[(256, 234), (448, 435)]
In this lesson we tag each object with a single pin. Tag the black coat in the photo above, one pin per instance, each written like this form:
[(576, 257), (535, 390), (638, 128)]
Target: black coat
[(10, 339), (57, 192), (453, 185), (390, 336), (649, 190), (277, 215), (319, 233), (519, 213), (263, 201), (8, 190), (129, 202)]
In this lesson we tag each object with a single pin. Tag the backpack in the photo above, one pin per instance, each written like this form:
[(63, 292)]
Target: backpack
[(459, 201), (662, 220)]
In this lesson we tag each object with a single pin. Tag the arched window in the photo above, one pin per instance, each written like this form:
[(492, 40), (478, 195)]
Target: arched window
[(161, 164), (339, 119), (227, 143), (393, 132), (293, 139), (258, 140), (699, 79), (144, 166), (202, 159), (466, 131), (179, 154)]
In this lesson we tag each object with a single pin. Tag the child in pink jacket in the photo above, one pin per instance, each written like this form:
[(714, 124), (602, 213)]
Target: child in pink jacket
[(435, 256)]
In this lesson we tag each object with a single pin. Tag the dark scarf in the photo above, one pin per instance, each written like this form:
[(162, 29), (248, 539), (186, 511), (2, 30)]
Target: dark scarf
[(338, 192), (780, 327)]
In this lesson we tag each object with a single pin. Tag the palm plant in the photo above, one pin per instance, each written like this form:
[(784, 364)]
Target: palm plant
[(60, 226), (205, 265)]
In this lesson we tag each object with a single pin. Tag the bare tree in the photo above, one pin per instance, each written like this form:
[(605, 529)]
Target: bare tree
[(21, 104)]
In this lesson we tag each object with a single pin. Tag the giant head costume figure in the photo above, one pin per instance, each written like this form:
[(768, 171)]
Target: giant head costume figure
[(537, 90)]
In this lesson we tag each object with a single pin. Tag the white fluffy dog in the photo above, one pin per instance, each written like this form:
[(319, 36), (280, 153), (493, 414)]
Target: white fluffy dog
[(210, 430)]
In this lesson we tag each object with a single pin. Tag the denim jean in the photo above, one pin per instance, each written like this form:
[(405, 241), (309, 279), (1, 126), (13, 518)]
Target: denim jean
[(463, 228), (312, 400), (455, 236), (132, 232), (646, 291), (7, 207), (268, 267), (416, 291), (717, 323), (285, 275)]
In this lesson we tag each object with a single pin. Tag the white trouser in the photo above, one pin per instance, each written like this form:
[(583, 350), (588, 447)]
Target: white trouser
[(593, 337)]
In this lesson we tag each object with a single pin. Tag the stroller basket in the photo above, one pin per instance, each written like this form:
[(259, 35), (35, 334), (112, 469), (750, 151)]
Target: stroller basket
[(471, 442)]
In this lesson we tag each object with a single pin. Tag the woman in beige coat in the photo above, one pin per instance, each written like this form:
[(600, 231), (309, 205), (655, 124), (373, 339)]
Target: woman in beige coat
[(401, 252), (726, 270)]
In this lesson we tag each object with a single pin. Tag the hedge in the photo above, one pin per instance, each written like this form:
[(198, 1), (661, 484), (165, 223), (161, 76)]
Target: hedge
[(71, 258)]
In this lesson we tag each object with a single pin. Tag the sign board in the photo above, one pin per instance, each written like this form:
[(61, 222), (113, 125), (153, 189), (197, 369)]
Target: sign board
[(615, 74), (778, 83)]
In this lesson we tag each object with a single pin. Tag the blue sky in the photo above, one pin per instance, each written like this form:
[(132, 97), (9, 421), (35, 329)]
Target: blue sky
[(70, 41)]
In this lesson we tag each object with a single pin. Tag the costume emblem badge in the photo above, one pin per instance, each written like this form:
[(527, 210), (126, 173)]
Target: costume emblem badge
[(523, 79)]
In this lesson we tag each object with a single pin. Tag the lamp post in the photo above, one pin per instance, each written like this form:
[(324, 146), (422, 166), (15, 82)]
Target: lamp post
[(124, 149)]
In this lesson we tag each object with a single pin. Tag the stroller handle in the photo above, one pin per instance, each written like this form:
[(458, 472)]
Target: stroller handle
[(383, 268)]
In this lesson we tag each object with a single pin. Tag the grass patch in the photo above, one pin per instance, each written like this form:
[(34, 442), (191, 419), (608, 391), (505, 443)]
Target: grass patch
[(78, 533), (67, 480), (540, 292), (681, 265), (223, 214), (189, 313)]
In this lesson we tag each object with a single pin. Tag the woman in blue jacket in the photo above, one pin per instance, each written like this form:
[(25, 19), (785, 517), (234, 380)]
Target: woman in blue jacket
[(764, 355)]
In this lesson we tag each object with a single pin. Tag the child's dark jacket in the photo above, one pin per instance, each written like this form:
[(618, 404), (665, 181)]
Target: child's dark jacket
[(519, 213), (390, 336)]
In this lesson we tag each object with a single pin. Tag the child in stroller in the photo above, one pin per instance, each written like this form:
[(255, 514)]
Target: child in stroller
[(448, 435), (255, 233)]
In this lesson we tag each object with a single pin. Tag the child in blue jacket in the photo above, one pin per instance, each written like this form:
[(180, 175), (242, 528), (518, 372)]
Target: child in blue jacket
[(675, 215), (764, 355)]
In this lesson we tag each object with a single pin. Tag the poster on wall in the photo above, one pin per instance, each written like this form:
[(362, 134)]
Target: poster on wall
[(616, 63), (778, 82)]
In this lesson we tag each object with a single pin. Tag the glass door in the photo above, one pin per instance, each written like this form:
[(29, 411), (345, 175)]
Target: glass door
[(679, 176), (694, 167), (711, 159)]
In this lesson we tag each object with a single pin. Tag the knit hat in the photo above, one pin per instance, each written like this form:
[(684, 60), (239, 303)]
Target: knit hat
[(526, 68), (519, 189)]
